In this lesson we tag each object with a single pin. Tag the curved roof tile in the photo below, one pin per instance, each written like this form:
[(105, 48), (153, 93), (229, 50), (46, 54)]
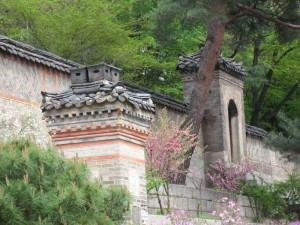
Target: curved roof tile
[(189, 63), (96, 92), (33, 54)]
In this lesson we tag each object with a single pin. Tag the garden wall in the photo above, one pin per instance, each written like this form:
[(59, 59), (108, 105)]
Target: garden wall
[(272, 166), (197, 201), (22, 82)]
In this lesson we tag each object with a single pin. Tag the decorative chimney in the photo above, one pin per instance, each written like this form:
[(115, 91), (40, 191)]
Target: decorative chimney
[(93, 73)]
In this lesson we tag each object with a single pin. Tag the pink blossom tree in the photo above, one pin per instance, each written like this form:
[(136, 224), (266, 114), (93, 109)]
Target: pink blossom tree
[(228, 177), (166, 149)]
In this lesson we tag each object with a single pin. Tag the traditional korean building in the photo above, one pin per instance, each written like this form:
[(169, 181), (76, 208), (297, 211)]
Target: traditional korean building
[(105, 121), (26, 71)]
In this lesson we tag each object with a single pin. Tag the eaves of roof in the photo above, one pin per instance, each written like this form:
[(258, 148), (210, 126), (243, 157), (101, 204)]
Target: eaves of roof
[(157, 97), (35, 55), (189, 63), (256, 131)]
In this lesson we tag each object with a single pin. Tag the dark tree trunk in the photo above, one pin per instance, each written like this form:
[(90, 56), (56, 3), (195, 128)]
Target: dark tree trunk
[(269, 116), (254, 87), (207, 63)]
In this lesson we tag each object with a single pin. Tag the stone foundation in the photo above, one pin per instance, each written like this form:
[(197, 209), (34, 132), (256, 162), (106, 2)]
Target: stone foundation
[(197, 201)]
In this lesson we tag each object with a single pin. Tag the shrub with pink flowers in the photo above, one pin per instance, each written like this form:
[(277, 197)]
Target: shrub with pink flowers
[(228, 211), (228, 177), (178, 217), (295, 223), (166, 148)]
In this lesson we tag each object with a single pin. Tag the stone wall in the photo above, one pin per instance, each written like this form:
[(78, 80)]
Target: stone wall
[(197, 201), (22, 82), (272, 166)]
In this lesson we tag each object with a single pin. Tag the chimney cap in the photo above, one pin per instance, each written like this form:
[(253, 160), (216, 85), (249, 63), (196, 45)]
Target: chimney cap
[(95, 65)]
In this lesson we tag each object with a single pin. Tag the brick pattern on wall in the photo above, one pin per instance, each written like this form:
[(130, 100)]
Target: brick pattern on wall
[(25, 80)]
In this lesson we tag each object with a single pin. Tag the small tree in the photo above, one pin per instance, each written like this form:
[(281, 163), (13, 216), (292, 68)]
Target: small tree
[(166, 149), (229, 177), (38, 186)]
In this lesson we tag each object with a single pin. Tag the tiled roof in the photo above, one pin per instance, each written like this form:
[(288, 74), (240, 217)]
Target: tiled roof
[(256, 131), (158, 98), (36, 55), (189, 63), (96, 92)]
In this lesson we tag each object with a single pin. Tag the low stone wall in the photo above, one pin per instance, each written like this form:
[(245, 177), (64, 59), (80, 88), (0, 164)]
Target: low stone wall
[(197, 201)]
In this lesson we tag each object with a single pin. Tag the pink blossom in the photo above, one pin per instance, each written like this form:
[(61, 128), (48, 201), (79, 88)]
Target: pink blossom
[(228, 177)]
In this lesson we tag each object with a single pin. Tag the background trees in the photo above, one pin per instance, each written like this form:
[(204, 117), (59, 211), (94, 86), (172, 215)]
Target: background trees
[(145, 38)]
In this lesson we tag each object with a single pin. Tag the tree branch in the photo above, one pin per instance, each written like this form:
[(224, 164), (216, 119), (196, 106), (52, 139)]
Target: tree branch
[(271, 115), (260, 15), (235, 51), (235, 17), (285, 53)]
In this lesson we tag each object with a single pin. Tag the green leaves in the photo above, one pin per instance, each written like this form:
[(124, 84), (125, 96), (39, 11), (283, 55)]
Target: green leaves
[(38, 186)]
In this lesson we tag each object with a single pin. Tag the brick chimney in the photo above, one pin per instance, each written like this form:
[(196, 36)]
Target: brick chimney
[(93, 73)]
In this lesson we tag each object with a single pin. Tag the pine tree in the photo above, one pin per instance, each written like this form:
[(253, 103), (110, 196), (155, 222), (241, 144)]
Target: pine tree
[(288, 138), (38, 186)]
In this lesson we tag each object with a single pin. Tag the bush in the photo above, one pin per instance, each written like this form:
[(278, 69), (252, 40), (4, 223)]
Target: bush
[(271, 201), (38, 186)]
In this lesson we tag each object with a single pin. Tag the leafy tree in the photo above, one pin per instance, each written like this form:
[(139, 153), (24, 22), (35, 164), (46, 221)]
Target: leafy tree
[(38, 186)]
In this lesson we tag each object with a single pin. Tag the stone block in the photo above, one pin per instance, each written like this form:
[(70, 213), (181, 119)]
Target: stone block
[(210, 206), (194, 204), (177, 190), (207, 194), (187, 193), (203, 206), (181, 203), (242, 211), (196, 194), (250, 213), (243, 201)]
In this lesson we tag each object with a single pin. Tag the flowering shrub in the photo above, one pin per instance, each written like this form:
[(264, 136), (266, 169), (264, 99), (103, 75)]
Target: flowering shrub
[(228, 211), (295, 223), (178, 217), (24, 123), (229, 177), (166, 148)]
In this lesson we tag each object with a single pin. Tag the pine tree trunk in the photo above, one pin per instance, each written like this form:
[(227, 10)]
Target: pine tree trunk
[(207, 63)]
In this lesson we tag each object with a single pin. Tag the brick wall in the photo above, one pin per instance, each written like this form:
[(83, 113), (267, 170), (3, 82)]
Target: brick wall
[(22, 82), (111, 142)]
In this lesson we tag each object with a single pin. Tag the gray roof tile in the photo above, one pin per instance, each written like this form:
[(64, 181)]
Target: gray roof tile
[(252, 130), (95, 93), (189, 63), (33, 54)]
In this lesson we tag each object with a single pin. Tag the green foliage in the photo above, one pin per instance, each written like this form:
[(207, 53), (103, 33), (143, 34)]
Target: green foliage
[(273, 201), (145, 37), (288, 140), (38, 186), (153, 180)]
